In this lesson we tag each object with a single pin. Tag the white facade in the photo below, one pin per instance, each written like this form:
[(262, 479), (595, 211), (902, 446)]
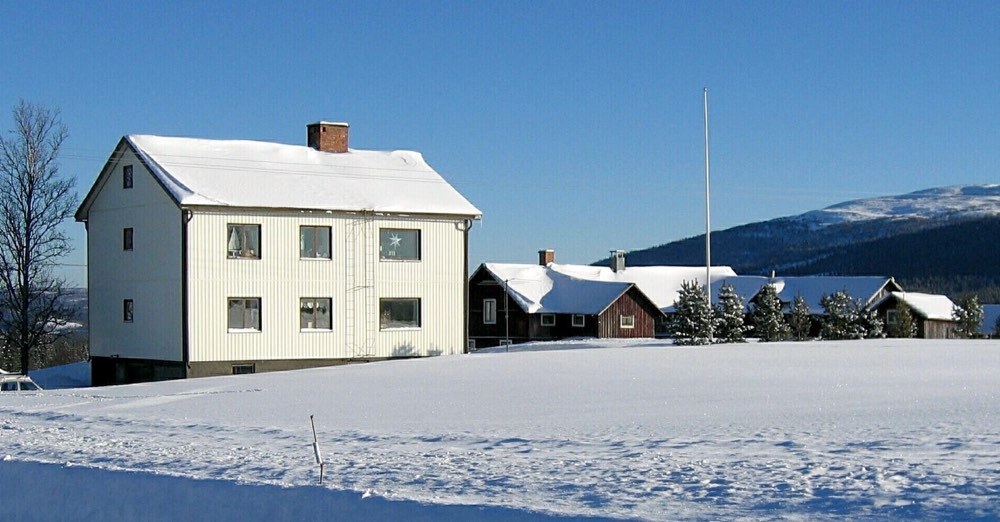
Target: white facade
[(180, 296)]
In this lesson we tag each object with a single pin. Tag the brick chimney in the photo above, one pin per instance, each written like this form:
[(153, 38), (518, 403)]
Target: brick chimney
[(546, 256), (327, 137), (617, 261)]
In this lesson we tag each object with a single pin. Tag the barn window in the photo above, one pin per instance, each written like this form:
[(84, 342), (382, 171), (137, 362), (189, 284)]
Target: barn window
[(626, 321), (489, 311), (244, 314), (548, 320), (314, 242), (127, 237), (314, 313), (399, 313), (398, 244), (127, 176), (890, 317), (128, 310), (243, 241), (579, 320)]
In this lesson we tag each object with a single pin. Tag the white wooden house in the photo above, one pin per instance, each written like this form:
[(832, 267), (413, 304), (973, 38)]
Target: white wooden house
[(209, 257)]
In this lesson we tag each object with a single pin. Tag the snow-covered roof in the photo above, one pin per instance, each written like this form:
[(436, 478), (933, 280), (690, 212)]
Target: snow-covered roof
[(591, 285), (256, 174), (813, 288), (928, 306)]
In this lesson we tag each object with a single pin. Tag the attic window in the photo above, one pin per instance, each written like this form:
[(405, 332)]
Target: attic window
[(127, 176)]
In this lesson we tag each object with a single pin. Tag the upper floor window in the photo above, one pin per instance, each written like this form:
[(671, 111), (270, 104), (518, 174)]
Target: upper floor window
[(314, 313), (314, 242), (127, 237), (243, 241), (399, 244), (244, 313), (127, 176), (128, 310), (489, 311), (399, 313)]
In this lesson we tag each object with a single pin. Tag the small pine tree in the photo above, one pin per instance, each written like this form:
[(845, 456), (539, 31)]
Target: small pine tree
[(868, 323), (729, 315), (692, 317), (841, 317), (969, 315), (801, 319), (996, 328), (904, 327), (768, 319)]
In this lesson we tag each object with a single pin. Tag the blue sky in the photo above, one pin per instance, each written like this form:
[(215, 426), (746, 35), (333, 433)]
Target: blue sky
[(574, 125)]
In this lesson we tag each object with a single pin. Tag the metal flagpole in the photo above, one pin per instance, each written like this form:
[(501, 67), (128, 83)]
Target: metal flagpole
[(708, 222)]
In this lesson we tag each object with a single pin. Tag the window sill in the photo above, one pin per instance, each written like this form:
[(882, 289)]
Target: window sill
[(315, 259), (316, 330), (400, 329), (243, 330)]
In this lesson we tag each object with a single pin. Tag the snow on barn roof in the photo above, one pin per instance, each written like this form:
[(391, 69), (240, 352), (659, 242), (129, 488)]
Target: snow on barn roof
[(531, 284), (928, 306), (239, 173)]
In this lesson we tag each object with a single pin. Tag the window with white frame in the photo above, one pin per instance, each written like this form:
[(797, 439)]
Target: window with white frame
[(548, 319), (399, 244), (314, 242), (243, 241), (128, 310), (489, 311), (626, 321), (314, 313), (399, 313), (579, 320), (126, 176), (244, 314), (128, 236)]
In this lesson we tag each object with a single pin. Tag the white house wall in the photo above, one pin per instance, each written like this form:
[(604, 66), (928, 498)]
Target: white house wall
[(150, 274), (280, 278)]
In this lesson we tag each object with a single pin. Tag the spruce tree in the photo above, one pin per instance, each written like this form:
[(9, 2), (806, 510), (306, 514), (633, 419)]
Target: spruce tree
[(969, 315), (729, 314), (692, 317), (768, 318)]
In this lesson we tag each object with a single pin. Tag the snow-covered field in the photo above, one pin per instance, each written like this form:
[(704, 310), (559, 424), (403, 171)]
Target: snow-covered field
[(820, 430)]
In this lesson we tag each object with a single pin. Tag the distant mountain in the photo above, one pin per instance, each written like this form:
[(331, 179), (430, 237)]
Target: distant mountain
[(945, 240)]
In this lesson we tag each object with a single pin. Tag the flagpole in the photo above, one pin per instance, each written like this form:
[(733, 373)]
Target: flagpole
[(708, 221)]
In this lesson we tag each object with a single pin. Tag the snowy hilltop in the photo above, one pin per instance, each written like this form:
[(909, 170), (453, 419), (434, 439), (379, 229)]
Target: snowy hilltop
[(589, 429), (934, 204)]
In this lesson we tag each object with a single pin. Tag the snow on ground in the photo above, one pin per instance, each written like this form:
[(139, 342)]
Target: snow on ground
[(632, 430)]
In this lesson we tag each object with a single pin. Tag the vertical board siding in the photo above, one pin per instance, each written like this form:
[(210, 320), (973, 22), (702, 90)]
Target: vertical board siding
[(150, 274), (280, 278)]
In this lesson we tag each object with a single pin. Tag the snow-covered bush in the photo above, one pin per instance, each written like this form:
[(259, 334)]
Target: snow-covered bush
[(845, 318)]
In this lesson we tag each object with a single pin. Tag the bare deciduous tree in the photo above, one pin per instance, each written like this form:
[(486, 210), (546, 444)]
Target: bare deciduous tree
[(34, 201)]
